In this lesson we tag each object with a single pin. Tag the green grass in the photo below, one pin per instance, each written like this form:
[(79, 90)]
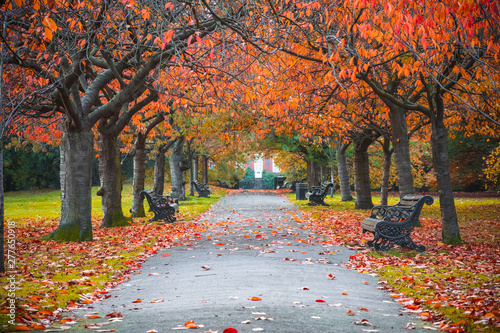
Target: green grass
[(467, 208), (72, 273), (46, 204)]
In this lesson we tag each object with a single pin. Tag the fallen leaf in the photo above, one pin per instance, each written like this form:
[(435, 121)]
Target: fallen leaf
[(345, 293), (254, 298), (114, 315), (320, 301), (22, 328), (137, 301), (350, 313), (330, 276), (230, 330)]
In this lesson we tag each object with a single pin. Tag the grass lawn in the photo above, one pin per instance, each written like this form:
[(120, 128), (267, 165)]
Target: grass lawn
[(454, 287), (53, 275)]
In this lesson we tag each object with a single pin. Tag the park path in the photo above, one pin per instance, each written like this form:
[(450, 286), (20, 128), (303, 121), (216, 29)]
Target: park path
[(255, 269)]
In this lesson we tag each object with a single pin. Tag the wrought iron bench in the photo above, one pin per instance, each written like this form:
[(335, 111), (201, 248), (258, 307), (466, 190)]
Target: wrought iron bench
[(392, 225), (317, 194), (163, 207), (202, 189)]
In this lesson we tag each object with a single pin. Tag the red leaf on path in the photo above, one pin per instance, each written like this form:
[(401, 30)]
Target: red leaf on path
[(205, 267), (350, 313), (330, 276), (345, 293), (165, 255), (114, 315), (254, 298), (22, 328), (320, 301), (137, 301), (364, 309), (230, 330), (191, 324)]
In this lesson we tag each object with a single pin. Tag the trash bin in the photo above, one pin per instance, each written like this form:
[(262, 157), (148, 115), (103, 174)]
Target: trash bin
[(300, 191)]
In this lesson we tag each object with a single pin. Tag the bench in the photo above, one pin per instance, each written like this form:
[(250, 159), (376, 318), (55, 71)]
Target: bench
[(393, 224), (163, 207), (317, 194), (202, 189)]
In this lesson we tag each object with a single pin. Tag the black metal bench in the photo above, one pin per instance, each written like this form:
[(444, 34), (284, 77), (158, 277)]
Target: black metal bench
[(317, 194), (202, 189), (393, 224), (163, 207)]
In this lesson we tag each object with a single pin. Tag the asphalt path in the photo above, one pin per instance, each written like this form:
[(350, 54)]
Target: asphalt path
[(255, 269)]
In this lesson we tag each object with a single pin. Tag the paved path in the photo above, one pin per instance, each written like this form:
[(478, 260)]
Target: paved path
[(253, 249)]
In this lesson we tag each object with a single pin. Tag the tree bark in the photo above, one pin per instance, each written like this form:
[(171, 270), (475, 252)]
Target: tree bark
[(401, 145), (343, 171), (362, 174), (205, 169), (439, 140), (193, 173), (111, 181), (76, 150), (384, 186), (177, 176), (139, 176), (159, 177), (312, 173)]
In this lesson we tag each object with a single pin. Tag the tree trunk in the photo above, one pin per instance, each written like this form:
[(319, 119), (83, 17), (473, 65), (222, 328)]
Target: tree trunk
[(111, 181), (343, 171), (401, 145), (177, 176), (312, 173), (439, 140), (139, 176), (159, 182), (76, 150), (193, 175), (384, 186), (196, 167), (362, 174), (332, 175), (205, 169)]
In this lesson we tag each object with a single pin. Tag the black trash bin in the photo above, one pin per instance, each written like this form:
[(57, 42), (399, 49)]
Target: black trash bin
[(300, 191)]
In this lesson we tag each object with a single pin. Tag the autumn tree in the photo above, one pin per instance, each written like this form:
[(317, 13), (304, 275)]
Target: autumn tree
[(416, 57), (93, 64)]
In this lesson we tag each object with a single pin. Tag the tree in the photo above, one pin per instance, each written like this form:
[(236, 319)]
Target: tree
[(92, 64), (416, 57)]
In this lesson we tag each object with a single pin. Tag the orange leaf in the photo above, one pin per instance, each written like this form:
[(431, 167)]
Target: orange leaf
[(345, 293), (191, 324), (320, 301), (22, 328), (330, 276), (38, 326), (254, 298), (165, 255), (86, 301), (93, 317), (137, 301), (66, 320), (425, 315), (350, 313)]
